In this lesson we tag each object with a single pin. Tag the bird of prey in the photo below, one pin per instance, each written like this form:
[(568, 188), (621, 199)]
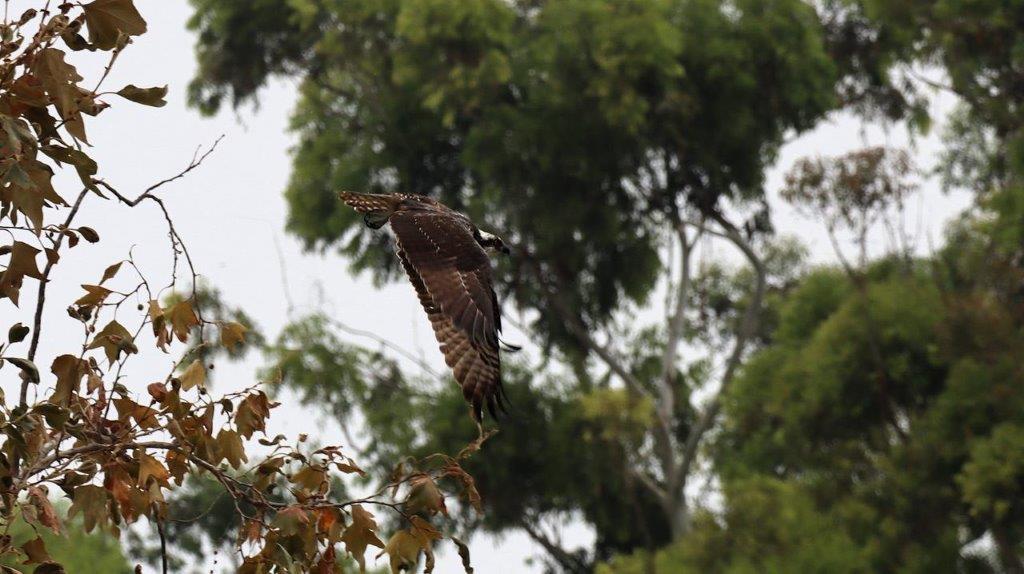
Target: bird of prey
[(446, 258)]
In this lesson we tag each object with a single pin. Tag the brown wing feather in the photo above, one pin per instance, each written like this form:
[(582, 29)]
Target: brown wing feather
[(452, 276)]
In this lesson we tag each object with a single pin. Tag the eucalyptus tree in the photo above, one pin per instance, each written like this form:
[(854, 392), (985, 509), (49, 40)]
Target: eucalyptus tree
[(607, 141)]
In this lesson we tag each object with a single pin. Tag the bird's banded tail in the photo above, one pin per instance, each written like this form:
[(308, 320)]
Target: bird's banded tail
[(368, 202)]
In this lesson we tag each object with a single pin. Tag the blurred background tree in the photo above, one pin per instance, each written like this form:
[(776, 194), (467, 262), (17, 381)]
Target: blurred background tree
[(870, 412), (78, 551)]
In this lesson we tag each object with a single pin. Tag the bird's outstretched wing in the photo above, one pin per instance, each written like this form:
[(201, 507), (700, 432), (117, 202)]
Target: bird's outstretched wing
[(452, 276)]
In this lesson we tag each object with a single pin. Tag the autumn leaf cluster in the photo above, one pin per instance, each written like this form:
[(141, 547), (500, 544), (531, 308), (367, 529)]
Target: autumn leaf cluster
[(84, 428)]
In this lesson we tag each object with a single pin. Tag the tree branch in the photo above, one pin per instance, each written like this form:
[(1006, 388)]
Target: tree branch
[(580, 331), (41, 298), (748, 326), (567, 561)]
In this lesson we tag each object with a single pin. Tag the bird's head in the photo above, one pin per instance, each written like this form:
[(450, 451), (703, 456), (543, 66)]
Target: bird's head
[(492, 243)]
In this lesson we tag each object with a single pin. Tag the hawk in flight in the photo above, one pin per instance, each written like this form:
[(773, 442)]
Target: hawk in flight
[(445, 256)]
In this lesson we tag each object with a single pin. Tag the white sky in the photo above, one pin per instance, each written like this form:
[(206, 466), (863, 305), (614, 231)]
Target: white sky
[(231, 213)]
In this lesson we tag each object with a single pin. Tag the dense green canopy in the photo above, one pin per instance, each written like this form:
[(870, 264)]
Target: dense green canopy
[(573, 128)]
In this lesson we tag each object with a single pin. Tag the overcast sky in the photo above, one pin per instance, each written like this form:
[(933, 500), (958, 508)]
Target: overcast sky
[(231, 213)]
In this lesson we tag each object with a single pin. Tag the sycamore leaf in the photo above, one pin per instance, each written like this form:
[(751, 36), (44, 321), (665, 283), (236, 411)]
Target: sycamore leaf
[(194, 376), (150, 467), (252, 414), (310, 477), (424, 496), (143, 416), (22, 263), (45, 512), (403, 552), (91, 502), (232, 334), (89, 234), (159, 322), (84, 165), (35, 549), (360, 534), (291, 520), (424, 532), (94, 295), (182, 318), (114, 339), (61, 82), (107, 19), (231, 447), (146, 96), (69, 370), (158, 391)]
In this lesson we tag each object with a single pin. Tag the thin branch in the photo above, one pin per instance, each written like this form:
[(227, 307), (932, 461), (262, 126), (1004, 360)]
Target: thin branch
[(387, 344), (197, 160), (41, 299), (566, 560), (748, 326), (163, 539)]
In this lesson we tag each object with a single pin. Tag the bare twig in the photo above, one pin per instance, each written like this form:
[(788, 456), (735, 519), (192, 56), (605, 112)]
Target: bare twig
[(387, 344), (41, 299)]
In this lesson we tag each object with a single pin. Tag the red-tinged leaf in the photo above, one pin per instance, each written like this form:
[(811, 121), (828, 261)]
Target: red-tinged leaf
[(44, 509), (158, 391), (327, 563), (290, 521), (455, 471), (35, 549)]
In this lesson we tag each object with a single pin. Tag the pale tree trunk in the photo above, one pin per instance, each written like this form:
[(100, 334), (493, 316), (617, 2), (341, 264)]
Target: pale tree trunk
[(675, 460)]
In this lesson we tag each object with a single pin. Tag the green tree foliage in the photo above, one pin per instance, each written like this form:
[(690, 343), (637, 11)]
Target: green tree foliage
[(573, 127), (79, 552)]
